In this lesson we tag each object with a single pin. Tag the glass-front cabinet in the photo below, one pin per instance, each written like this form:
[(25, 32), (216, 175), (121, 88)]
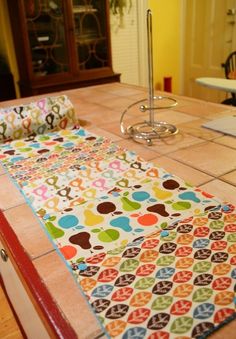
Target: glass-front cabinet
[(90, 34), (45, 24), (61, 44)]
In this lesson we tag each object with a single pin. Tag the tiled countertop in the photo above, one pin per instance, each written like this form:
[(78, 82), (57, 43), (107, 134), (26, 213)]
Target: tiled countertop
[(202, 157)]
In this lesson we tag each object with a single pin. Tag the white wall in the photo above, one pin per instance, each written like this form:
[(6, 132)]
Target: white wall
[(128, 39)]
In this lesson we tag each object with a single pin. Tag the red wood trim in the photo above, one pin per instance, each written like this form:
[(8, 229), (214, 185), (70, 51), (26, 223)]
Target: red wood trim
[(55, 322)]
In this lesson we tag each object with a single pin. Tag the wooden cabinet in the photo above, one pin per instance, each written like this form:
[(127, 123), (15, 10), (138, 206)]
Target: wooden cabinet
[(61, 44)]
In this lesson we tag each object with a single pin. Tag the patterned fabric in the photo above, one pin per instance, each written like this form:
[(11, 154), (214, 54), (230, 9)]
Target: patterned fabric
[(92, 182), (174, 284), (154, 256), (51, 113)]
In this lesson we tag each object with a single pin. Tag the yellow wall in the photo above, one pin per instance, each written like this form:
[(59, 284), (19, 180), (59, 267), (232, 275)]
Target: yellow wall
[(166, 41), (6, 42)]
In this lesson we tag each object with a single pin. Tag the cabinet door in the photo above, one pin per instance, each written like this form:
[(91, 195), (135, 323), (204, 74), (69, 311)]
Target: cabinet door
[(91, 34), (45, 24), (61, 44), (20, 300)]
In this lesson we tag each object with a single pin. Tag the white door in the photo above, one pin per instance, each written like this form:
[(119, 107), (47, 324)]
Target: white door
[(210, 27)]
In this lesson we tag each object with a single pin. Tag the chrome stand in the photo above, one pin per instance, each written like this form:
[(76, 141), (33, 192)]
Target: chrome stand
[(151, 129)]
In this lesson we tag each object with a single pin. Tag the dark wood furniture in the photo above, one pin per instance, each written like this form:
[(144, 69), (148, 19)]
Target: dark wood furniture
[(61, 44), (230, 73)]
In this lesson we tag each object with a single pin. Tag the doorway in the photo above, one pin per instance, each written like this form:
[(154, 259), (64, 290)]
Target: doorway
[(128, 39), (210, 33)]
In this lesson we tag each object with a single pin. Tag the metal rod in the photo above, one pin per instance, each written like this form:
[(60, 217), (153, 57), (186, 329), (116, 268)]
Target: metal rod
[(150, 67), (151, 129)]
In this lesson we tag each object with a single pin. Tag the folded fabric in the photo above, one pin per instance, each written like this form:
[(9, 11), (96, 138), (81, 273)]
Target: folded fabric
[(46, 114)]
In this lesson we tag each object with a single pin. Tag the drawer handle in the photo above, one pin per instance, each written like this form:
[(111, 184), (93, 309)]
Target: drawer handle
[(4, 255)]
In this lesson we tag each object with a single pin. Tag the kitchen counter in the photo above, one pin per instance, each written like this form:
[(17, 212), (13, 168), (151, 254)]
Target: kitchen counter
[(202, 157)]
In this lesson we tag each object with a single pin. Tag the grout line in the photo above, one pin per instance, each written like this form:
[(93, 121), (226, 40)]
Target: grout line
[(228, 146), (227, 181), (193, 167), (14, 206), (43, 254)]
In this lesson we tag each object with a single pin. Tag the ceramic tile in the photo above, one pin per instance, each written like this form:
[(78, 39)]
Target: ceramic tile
[(230, 177), (122, 86), (118, 104), (12, 196), (133, 109), (189, 174), (167, 115), (174, 143), (203, 157), (100, 115), (185, 101), (125, 91), (173, 117), (63, 289), (130, 120), (114, 88), (2, 171), (115, 127), (227, 141), (27, 228), (82, 108), (194, 128), (102, 97), (82, 91), (93, 95), (202, 109), (221, 189), (138, 96)]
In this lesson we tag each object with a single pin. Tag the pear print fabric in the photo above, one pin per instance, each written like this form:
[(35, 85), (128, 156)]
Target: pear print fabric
[(155, 256)]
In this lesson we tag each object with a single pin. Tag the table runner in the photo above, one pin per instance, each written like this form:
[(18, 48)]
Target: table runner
[(154, 256)]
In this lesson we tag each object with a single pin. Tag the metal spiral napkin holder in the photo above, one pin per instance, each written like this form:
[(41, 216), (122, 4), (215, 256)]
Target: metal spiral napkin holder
[(151, 129)]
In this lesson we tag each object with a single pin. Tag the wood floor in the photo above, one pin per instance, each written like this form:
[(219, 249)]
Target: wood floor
[(8, 325)]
